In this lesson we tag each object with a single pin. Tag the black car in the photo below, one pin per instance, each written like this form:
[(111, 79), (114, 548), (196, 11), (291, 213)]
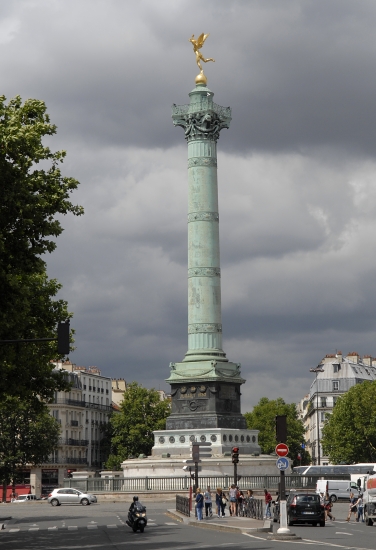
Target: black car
[(305, 508)]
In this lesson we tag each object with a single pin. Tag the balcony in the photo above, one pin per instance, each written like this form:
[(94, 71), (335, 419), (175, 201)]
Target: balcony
[(74, 422), (66, 460), (74, 442), (72, 402), (98, 406)]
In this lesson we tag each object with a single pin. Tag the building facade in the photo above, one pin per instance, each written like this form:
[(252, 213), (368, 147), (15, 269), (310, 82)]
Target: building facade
[(338, 375), (82, 414)]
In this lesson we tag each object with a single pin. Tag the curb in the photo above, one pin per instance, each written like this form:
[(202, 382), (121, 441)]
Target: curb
[(218, 526)]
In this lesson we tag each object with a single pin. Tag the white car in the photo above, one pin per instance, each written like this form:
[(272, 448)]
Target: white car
[(70, 496), (25, 498)]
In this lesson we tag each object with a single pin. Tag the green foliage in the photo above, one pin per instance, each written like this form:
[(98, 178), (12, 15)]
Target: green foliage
[(141, 413), (30, 200), (263, 418), (28, 435), (349, 433)]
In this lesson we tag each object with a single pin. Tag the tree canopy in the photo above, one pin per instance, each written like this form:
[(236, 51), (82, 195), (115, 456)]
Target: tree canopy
[(141, 413), (27, 436), (262, 418), (31, 198), (349, 433)]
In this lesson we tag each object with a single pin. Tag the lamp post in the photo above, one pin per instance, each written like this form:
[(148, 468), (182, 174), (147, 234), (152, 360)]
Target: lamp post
[(316, 371)]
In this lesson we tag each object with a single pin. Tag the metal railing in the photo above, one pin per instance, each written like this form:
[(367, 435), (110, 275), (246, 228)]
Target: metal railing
[(254, 508), (181, 484), (66, 460), (74, 442), (72, 402), (182, 505)]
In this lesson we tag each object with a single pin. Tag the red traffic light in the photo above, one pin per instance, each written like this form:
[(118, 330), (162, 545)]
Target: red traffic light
[(235, 449)]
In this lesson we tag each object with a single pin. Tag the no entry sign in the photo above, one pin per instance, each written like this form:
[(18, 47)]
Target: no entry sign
[(282, 449)]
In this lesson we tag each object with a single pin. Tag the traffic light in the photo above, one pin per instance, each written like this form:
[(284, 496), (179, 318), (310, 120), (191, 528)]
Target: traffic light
[(63, 338), (281, 428), (235, 455), (195, 453), (201, 450)]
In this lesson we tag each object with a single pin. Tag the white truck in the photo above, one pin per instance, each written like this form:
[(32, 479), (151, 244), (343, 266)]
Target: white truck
[(369, 500)]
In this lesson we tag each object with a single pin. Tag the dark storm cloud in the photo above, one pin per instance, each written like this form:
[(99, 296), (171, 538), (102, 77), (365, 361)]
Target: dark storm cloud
[(296, 176)]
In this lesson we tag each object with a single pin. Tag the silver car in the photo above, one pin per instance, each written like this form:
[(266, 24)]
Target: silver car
[(70, 496)]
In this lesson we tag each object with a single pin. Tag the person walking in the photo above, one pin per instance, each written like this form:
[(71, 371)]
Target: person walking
[(359, 504), (328, 505), (233, 499), (220, 501), (268, 502), (199, 504), (352, 507), (208, 503)]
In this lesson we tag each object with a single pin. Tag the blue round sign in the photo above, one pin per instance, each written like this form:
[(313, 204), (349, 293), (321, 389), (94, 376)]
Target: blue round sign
[(282, 463)]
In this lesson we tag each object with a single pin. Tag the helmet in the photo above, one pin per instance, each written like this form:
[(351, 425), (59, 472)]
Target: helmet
[(135, 499)]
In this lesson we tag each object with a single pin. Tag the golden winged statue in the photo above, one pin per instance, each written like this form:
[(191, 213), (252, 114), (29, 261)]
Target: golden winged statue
[(197, 45)]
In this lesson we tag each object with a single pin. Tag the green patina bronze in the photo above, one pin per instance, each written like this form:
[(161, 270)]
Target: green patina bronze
[(205, 363)]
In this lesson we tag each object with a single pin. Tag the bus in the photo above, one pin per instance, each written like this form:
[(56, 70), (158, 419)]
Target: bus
[(336, 469)]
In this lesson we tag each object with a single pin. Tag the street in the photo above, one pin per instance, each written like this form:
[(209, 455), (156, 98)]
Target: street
[(102, 526)]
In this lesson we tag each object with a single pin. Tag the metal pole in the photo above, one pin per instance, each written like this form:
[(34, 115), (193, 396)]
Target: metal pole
[(318, 425), (235, 473)]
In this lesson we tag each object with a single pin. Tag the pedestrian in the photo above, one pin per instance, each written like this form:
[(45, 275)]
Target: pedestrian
[(233, 499), (199, 504), (208, 503), (328, 505), (359, 504), (248, 503), (352, 507), (268, 501), (220, 501), (241, 504)]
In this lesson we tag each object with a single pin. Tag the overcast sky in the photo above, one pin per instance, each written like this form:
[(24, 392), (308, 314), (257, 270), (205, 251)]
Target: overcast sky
[(297, 171)]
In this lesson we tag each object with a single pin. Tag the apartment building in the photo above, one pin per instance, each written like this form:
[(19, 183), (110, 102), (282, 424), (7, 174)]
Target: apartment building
[(338, 375)]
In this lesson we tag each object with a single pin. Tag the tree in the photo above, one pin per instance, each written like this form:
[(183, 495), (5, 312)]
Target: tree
[(30, 200), (262, 418), (141, 413), (349, 433), (27, 436)]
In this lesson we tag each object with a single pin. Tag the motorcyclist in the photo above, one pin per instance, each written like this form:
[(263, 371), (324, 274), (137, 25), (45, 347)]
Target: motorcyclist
[(133, 504)]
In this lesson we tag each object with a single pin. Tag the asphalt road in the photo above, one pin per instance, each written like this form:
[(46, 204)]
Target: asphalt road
[(102, 527)]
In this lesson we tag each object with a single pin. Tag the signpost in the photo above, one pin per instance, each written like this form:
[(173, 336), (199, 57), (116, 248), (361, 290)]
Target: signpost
[(281, 449), (282, 464)]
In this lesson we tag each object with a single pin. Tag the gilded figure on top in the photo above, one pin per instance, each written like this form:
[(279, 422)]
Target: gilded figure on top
[(197, 45)]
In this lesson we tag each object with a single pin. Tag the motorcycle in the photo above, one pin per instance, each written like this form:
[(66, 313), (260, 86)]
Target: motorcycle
[(137, 519)]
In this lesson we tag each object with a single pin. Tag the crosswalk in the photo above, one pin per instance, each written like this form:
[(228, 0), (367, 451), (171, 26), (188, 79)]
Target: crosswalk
[(92, 525)]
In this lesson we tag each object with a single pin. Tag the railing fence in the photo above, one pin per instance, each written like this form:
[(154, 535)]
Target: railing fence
[(182, 505), (182, 484)]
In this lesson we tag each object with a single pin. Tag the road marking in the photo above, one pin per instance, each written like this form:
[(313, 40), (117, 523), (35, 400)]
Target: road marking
[(170, 523), (111, 526), (72, 527), (153, 524), (343, 533), (34, 529), (13, 530), (53, 528), (92, 526)]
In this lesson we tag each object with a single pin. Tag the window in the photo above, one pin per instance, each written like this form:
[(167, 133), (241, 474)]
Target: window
[(322, 416), (335, 385), (336, 367), (323, 401), (334, 400)]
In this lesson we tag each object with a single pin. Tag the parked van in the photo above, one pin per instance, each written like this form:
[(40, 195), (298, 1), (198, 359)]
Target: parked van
[(337, 488)]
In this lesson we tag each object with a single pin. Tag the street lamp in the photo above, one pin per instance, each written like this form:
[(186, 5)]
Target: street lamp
[(316, 371)]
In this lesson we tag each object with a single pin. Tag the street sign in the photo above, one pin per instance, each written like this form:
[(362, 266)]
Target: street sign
[(202, 443), (282, 463), (281, 449), (191, 461)]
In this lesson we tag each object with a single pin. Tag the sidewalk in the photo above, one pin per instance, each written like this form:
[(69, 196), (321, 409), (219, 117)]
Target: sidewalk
[(228, 523)]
